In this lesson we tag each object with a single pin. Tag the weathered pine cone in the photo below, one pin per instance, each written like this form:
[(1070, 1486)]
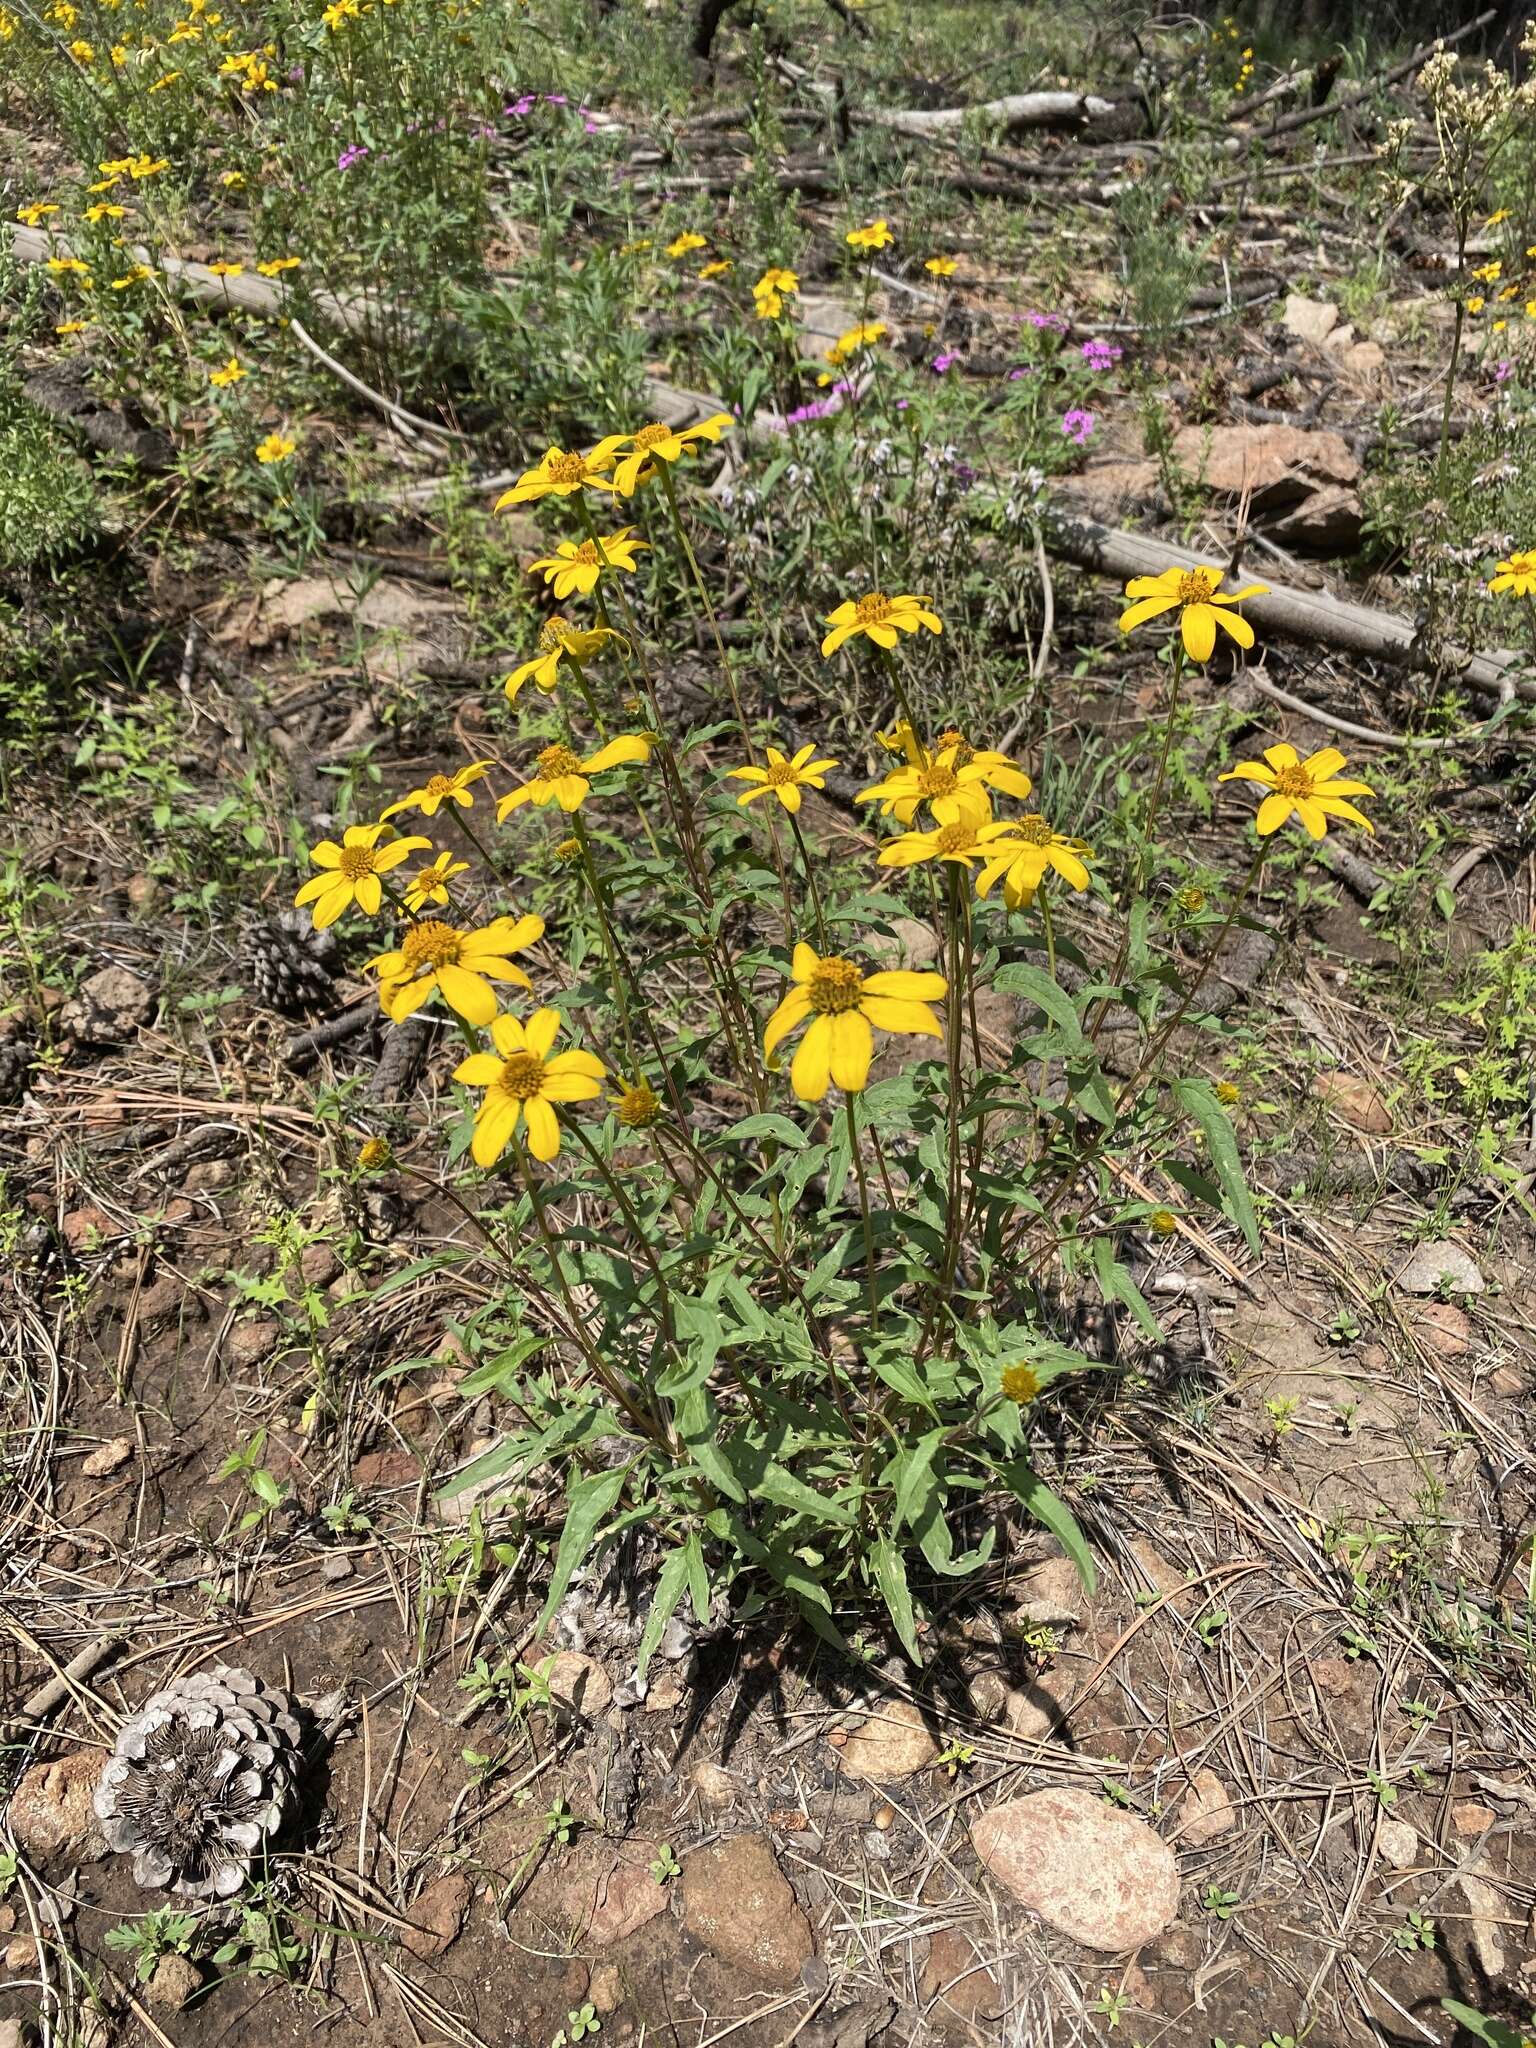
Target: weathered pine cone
[(199, 1779), (287, 966)]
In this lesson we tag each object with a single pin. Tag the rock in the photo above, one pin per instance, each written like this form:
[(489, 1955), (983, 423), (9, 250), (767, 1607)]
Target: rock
[(1356, 1101), (1366, 361), (1034, 1710), (577, 1683), (209, 1174), (1333, 1675), (1485, 1907), (51, 1806), (14, 2035), (1444, 1327), (143, 893), (437, 1915), (1341, 340), (1160, 1573), (1506, 1383), (249, 1344), (21, 1956), (714, 1784), (738, 1903), (108, 1458), (1274, 463), (1398, 1841), (606, 1987), (1326, 523), (389, 1467), (909, 944), (88, 1227), (893, 1743), (167, 1301), (1309, 319), (606, 1906), (1429, 1266), (319, 1265), (956, 1978), (1051, 1595), (1090, 1870), (1469, 1818), (175, 1983), (108, 1008), (1205, 1811)]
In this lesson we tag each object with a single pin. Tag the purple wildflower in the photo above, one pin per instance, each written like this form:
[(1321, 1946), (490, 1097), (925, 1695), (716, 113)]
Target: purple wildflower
[(944, 361), (1100, 355), (1051, 323), (352, 154), (1503, 370), (1077, 425)]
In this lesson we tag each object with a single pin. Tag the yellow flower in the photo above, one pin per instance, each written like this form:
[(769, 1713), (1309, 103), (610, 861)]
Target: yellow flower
[(560, 474), (1517, 575), (66, 266), (463, 964), (941, 266), (1228, 1094), (82, 52), (231, 373), (1488, 273), (842, 1004), (875, 235), (441, 789), (1020, 1383), (863, 336), (776, 283), (720, 268), (226, 269), (169, 78), (769, 306), (276, 265), (658, 443), (374, 1154), (955, 792), (686, 243), (39, 210), (1476, 305), (104, 209), (350, 872), (430, 884), (1530, 309), (1304, 789), (1022, 851), (231, 180), (135, 276), (637, 1105), (880, 619), (956, 842), (275, 448), (1197, 596), (563, 777), (558, 639), (783, 776), (1497, 219), (522, 1084), (70, 327), (577, 565), (143, 166), (258, 79)]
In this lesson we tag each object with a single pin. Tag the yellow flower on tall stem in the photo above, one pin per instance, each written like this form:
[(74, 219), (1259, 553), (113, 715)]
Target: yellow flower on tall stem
[(880, 619), (1023, 852), (659, 443), (955, 843), (847, 344), (275, 448), (430, 884), (954, 792), (350, 872), (637, 1105), (1309, 790), (941, 266), (564, 778), (685, 244), (875, 234), (784, 777), (1517, 576), (842, 1004), (560, 473), (1201, 603), (578, 565), (441, 789), (558, 640), (776, 281), (436, 955), (523, 1083)]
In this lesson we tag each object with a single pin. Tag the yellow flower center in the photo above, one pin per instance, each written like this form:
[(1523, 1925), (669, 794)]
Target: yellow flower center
[(651, 437), (952, 740), (440, 785), (355, 861), (1033, 831), (638, 1107), (568, 850), (937, 780), (431, 877), (954, 838), (373, 1153), (836, 986), (588, 556), (1021, 1383), (522, 1075), (873, 610), (1293, 782), (1163, 1222), (431, 944), (1197, 586), (780, 774), (554, 634), (567, 469), (554, 762)]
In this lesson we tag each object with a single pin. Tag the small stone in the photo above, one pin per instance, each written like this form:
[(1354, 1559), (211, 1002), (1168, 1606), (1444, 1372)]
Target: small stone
[(739, 1905), (1440, 1263), (1469, 1818), (249, 1344), (1309, 319), (1445, 1328), (335, 1568), (605, 1988), (1052, 1595), (437, 1915), (1506, 1382), (1326, 522), (175, 1983), (13, 2035), (319, 1265), (1332, 1674), (577, 1683), (1035, 1709), (893, 1743), (166, 1302), (1367, 360), (108, 1008), (21, 1955), (1090, 1870), (608, 1907), (1398, 1841), (909, 944), (1160, 1573), (391, 1466), (714, 1784), (209, 1174), (143, 893), (1205, 1811), (87, 1228), (885, 1816), (956, 1978), (1356, 1101), (108, 1458), (51, 1806)]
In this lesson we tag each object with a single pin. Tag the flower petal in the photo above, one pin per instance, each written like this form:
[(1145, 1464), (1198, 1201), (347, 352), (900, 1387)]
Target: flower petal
[(1198, 624), (791, 1013), (543, 1129), (853, 1047), (540, 1032), (889, 1014), (469, 994), (480, 1070), (812, 1069), (494, 1125), (1273, 813), (906, 985)]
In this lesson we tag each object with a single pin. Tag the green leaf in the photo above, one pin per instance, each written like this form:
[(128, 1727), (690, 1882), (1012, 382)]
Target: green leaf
[(1493, 2032), (769, 1125), (1019, 978), (698, 1578), (1198, 1099), (913, 1480), (1051, 1512), (671, 1583), (1116, 1284), (589, 1497), (697, 1421), (891, 1577)]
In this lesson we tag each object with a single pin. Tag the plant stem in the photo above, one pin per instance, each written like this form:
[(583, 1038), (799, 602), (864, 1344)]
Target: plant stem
[(869, 1233)]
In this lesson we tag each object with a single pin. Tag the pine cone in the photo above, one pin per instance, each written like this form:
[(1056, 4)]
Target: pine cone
[(199, 1779), (288, 966)]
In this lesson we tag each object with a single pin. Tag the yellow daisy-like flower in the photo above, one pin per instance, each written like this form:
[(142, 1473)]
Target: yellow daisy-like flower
[(104, 209), (955, 792), (875, 234), (276, 265), (374, 1154), (36, 213), (441, 789), (941, 266), (879, 618), (523, 1083), (578, 565), (1476, 304), (1306, 789), (720, 268), (275, 448), (768, 307), (430, 884), (560, 474), (1020, 1383), (841, 1004), (776, 283), (463, 964), (1488, 273), (231, 180), (659, 443), (226, 270), (784, 777), (1518, 574), (350, 872), (82, 52), (685, 244), (231, 373), (863, 336), (956, 842), (1497, 218), (67, 266), (137, 275), (1201, 603), (1023, 851), (70, 327), (558, 639), (565, 779), (637, 1105)]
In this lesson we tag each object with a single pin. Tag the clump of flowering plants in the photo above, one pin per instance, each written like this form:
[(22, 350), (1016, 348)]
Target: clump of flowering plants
[(773, 1220)]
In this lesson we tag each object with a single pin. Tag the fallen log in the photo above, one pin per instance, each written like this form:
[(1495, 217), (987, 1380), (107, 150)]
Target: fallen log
[(1310, 616), (1018, 111)]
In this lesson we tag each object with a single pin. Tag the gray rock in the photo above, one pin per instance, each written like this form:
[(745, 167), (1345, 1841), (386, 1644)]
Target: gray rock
[(175, 1983), (108, 1008), (1093, 1872), (1424, 1269)]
